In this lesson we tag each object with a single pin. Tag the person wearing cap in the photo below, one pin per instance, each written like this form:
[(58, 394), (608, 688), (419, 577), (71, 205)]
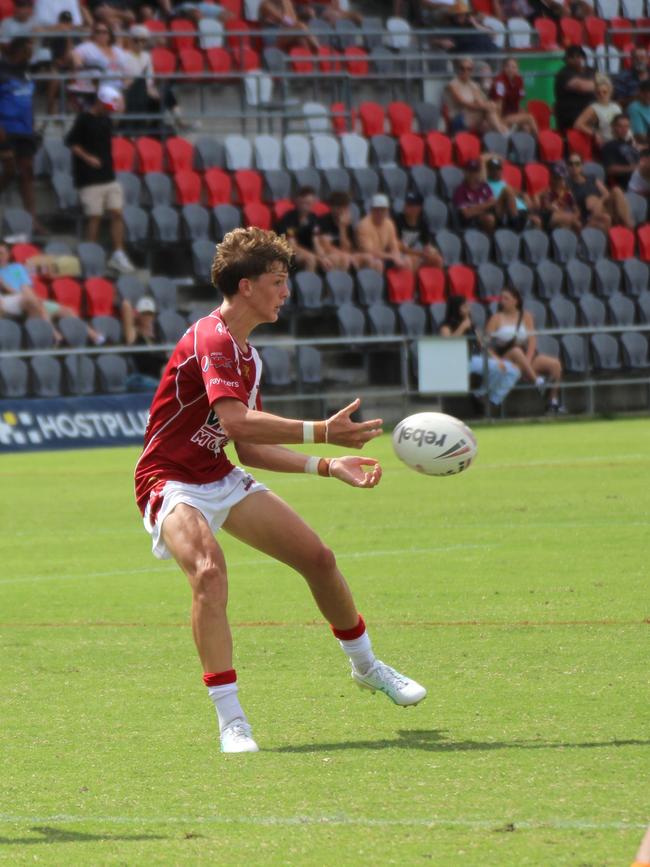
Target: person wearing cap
[(557, 205), (414, 235), (334, 240), (574, 88), (139, 327), (518, 208), (477, 207), (90, 140), (377, 235)]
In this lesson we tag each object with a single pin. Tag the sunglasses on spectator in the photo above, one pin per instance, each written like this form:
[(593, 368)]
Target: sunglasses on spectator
[(575, 162)]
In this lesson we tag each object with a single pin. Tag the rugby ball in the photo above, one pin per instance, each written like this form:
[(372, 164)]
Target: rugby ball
[(434, 443)]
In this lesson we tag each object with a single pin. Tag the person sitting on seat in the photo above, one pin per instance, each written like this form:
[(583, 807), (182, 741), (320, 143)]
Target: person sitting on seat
[(414, 235), (335, 242), (556, 205), (377, 235), (298, 225), (140, 330)]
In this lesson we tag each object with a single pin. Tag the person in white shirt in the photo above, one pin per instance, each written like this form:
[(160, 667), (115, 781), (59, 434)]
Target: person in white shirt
[(48, 12), (102, 54)]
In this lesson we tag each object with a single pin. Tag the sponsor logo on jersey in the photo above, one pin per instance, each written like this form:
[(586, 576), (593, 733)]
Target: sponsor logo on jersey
[(210, 435), (216, 359)]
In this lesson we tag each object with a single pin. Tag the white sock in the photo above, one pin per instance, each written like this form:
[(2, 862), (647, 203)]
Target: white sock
[(540, 380), (226, 703), (359, 650)]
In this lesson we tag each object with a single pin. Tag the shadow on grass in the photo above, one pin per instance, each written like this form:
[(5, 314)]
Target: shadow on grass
[(437, 741), (60, 835)]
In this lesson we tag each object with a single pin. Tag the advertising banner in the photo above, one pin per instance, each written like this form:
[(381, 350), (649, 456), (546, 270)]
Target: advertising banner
[(72, 422)]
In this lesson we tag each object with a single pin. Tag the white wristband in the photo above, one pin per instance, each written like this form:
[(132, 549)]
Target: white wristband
[(308, 431), (311, 465)]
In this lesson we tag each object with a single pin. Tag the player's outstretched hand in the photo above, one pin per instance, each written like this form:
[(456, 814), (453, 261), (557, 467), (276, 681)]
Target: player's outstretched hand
[(350, 469), (342, 431)]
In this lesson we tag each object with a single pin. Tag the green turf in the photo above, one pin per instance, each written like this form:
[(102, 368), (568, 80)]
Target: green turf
[(517, 592)]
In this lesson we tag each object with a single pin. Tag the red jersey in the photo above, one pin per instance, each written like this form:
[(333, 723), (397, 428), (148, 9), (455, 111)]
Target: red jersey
[(184, 441), (510, 91)]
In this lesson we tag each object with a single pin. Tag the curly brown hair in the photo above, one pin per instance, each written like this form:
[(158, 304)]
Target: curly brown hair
[(247, 254)]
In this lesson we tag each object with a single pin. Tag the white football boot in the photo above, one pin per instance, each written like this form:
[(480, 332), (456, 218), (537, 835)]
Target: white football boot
[(237, 737), (399, 688)]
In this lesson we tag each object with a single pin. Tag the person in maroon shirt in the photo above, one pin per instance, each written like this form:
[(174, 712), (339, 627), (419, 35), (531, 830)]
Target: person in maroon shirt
[(506, 92), (187, 488), (475, 202)]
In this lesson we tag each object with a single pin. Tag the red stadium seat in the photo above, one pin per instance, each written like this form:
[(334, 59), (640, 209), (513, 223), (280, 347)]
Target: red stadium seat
[(188, 188), (462, 281), (467, 147), (579, 143), (164, 61), (236, 25), (537, 178), (248, 184), (40, 288), (301, 60), (6, 8), (411, 150), (547, 33), (400, 118), (621, 243), (643, 38), (233, 6), (329, 61), (153, 25), (512, 175), (320, 209), (595, 30), (180, 154), (219, 60), (570, 31), (123, 154), (150, 155), (618, 39), (22, 252), (541, 111), (400, 285), (281, 207), (339, 115), (484, 7), (219, 187), (643, 235), (551, 146), (246, 59), (100, 296), (439, 149), (431, 285), (257, 214), (191, 62), (187, 40), (67, 292), (372, 118), (356, 60)]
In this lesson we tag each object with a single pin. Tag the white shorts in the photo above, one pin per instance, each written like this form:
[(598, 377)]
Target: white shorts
[(11, 305), (214, 501)]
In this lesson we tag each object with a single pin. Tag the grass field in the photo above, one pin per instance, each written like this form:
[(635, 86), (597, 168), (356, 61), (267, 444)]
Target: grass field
[(517, 592)]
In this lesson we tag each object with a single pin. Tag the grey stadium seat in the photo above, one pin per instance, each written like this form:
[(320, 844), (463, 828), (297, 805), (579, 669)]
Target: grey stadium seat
[(383, 60), (14, 377), (131, 187), (592, 311), (58, 248), (277, 184), (351, 321), (130, 288), (534, 244), (111, 374), (538, 311), (202, 257), (436, 214), (67, 196), (238, 152), (172, 326), (437, 313), (594, 170), (496, 143), (382, 320), (39, 334), (593, 244), (109, 326), (607, 276), (547, 345), (309, 290), (383, 151), (578, 278), (74, 331), (575, 359), (165, 225), (621, 309), (46, 376), (136, 224), (158, 189), (307, 177), (93, 259), (208, 153), (347, 33), (365, 183), (412, 319), (449, 245), (523, 148), (372, 28), (371, 286), (268, 153), (522, 277), (79, 374), (605, 352), (16, 221), (506, 246), (354, 149), (449, 177), (340, 286), (549, 277), (335, 180), (317, 116), (58, 157), (424, 180), (634, 348), (226, 218), (195, 222), (297, 152), (428, 116), (491, 280), (563, 312), (309, 364), (478, 315), (395, 182), (564, 244), (10, 336), (636, 276), (477, 247), (643, 306), (276, 366), (638, 207)]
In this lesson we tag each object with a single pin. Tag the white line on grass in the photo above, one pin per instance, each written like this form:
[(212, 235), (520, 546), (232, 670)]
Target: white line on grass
[(350, 555), (427, 822)]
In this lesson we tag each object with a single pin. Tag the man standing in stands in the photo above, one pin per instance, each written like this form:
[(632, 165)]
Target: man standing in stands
[(619, 156), (90, 141), (187, 488), (377, 235), (574, 88), (628, 82), (298, 225)]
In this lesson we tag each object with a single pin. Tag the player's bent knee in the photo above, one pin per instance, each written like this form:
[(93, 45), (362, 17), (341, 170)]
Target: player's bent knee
[(323, 560), (210, 585)]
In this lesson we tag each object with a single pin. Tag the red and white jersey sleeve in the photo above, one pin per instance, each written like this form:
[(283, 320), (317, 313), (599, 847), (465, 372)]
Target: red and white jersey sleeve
[(184, 441)]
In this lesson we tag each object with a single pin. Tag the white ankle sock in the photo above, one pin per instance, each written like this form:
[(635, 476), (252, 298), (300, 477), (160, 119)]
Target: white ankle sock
[(360, 652), (226, 703)]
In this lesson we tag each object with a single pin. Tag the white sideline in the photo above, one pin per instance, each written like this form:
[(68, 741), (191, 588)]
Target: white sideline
[(362, 821)]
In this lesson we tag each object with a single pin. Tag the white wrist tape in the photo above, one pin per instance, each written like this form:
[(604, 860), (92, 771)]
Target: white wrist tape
[(308, 431), (311, 466)]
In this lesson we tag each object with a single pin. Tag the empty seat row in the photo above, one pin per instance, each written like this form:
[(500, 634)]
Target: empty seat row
[(47, 376)]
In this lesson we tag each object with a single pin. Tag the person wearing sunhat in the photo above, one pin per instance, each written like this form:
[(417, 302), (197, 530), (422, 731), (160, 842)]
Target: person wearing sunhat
[(139, 326), (377, 235), (90, 140), (414, 235)]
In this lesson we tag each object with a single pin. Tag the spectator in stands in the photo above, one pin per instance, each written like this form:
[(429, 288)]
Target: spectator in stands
[(334, 240), (619, 156), (518, 209), (282, 14), (298, 225), (473, 36), (502, 374), (640, 179), (414, 236), (557, 206), (596, 120), (17, 139), (469, 109), (511, 334), (100, 53), (90, 141), (574, 88), (628, 81), (117, 14), (639, 113), (140, 330), (506, 93), (477, 207), (61, 57), (23, 22), (377, 235), (330, 11), (599, 207), (18, 298), (48, 13)]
